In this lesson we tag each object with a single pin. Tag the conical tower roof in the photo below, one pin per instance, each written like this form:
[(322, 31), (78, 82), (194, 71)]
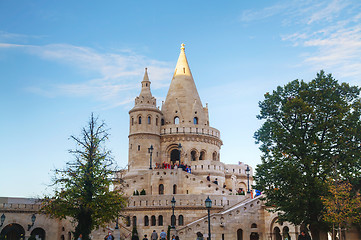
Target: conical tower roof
[(182, 99)]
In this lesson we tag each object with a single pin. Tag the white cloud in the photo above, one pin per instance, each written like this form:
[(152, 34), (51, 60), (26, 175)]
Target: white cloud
[(116, 73), (328, 33)]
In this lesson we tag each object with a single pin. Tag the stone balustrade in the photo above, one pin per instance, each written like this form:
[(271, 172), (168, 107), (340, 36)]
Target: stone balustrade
[(197, 130), (183, 200)]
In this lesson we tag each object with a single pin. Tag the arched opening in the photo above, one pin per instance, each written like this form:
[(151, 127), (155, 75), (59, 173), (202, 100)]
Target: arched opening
[(175, 156), (202, 155), (286, 233), (132, 121), (146, 221), (139, 120), (195, 120), (69, 234), (214, 156), (134, 221), (161, 189), (180, 220), (176, 120), (156, 121), (239, 234), (13, 231), (127, 221), (62, 237), (254, 236), (162, 122), (39, 233), (149, 120), (160, 220), (175, 189), (153, 221), (193, 155), (254, 225), (277, 233), (173, 220)]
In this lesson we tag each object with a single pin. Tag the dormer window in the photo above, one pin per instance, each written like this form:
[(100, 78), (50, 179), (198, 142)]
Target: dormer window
[(176, 120), (195, 120)]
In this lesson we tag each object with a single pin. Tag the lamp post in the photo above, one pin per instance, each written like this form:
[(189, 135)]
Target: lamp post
[(33, 218), (173, 216), (208, 203), (150, 150), (2, 220), (247, 171)]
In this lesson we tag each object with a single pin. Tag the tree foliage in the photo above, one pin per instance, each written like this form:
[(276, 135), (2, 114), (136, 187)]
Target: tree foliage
[(308, 128), (342, 204), (84, 188)]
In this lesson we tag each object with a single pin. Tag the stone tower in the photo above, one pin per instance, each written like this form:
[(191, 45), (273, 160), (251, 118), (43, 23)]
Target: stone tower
[(144, 128)]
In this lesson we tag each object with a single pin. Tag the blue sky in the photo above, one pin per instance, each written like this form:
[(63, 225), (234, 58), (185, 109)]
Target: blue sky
[(62, 60)]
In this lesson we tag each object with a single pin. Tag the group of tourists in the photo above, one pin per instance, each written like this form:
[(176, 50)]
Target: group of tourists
[(162, 236), (175, 166)]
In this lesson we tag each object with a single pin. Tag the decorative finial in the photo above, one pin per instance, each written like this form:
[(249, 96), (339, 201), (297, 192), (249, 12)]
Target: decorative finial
[(182, 46), (146, 69)]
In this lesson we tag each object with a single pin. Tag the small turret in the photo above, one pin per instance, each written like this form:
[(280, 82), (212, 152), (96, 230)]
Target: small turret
[(145, 97)]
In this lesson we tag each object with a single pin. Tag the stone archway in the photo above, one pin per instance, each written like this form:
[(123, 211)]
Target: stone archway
[(13, 231), (38, 232), (239, 234), (175, 156)]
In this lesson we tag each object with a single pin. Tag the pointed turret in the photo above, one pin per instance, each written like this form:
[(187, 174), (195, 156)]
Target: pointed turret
[(145, 97), (183, 96), (145, 85)]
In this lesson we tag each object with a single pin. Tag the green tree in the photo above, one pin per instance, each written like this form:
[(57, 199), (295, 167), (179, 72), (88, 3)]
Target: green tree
[(84, 189), (307, 129), (342, 205)]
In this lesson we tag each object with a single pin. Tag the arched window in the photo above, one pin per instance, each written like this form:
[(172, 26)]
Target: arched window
[(161, 189), (180, 220), (132, 121), (193, 155), (146, 221), (162, 122), (173, 220), (134, 221), (214, 157), (139, 120), (62, 237), (240, 234), (160, 220), (149, 120), (202, 156), (195, 120), (153, 221), (156, 121), (254, 225), (174, 189), (176, 120), (69, 235), (127, 220)]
